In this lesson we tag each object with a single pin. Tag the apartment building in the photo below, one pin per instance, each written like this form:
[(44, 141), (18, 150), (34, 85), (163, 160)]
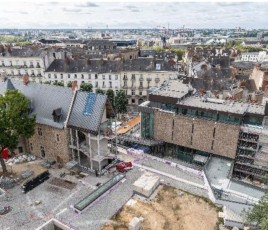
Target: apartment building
[(139, 75), (193, 127), (102, 74), (33, 61)]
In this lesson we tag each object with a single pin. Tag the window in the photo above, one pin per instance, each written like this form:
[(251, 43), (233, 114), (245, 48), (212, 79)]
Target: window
[(96, 76), (37, 65), (133, 92), (31, 64), (96, 84), (24, 63), (110, 84), (31, 146), (212, 144), (214, 130), (39, 131), (133, 101), (141, 84), (20, 149), (82, 76), (103, 77), (43, 154), (3, 63), (110, 77), (125, 83), (140, 93), (61, 75), (55, 75), (89, 76), (103, 84), (10, 63), (116, 77), (75, 76), (58, 137), (133, 77)]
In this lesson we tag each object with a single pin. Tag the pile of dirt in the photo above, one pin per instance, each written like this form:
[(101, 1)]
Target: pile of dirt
[(172, 209)]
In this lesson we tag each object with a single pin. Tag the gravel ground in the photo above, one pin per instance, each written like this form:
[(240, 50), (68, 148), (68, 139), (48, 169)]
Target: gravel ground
[(57, 201)]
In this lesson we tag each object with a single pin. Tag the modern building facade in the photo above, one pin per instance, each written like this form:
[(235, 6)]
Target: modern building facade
[(196, 126)]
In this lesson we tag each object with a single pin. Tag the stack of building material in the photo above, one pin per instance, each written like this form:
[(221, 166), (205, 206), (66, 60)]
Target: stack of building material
[(146, 184), (134, 224)]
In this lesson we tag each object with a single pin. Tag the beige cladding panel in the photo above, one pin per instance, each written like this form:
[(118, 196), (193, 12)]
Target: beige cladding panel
[(203, 135), (226, 138), (53, 148), (163, 126), (182, 130)]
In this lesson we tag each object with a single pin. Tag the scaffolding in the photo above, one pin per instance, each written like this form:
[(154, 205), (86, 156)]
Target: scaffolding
[(252, 153)]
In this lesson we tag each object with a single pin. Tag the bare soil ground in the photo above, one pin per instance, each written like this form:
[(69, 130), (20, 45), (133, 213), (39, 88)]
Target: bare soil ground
[(16, 169), (172, 209)]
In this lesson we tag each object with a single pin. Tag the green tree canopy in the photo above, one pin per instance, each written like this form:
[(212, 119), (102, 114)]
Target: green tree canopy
[(86, 87), (14, 121), (259, 213), (69, 84), (121, 102), (110, 95), (179, 53), (100, 91), (58, 83)]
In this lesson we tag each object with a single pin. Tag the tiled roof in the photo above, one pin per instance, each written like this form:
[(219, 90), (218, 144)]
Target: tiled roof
[(87, 111), (243, 64), (44, 100)]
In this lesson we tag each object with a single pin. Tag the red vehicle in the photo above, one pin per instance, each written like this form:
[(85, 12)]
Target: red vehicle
[(124, 166)]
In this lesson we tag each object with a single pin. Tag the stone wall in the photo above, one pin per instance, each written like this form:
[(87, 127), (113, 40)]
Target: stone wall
[(53, 147), (197, 133)]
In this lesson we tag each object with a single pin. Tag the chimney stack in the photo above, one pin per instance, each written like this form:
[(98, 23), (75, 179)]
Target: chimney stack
[(25, 79), (74, 86)]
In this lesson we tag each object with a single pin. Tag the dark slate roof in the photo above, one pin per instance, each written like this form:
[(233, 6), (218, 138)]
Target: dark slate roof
[(79, 118), (147, 64), (9, 85), (99, 42), (49, 41), (44, 100), (82, 65), (24, 52), (243, 64)]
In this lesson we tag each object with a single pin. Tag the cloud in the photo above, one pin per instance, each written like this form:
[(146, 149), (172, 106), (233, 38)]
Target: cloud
[(131, 7), (71, 10), (135, 10), (23, 12), (88, 4), (53, 3), (116, 10)]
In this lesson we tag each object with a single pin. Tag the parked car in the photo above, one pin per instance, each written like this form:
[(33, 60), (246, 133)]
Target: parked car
[(124, 166), (5, 210)]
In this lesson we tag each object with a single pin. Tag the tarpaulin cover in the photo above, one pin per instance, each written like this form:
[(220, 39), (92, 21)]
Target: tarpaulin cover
[(5, 153)]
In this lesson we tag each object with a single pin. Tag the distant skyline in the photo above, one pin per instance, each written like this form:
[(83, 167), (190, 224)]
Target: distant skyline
[(100, 15)]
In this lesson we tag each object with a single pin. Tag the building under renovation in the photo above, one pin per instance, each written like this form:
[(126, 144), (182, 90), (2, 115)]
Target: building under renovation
[(195, 125)]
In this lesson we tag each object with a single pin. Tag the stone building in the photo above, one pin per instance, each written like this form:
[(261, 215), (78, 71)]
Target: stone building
[(50, 104), (70, 124), (195, 126)]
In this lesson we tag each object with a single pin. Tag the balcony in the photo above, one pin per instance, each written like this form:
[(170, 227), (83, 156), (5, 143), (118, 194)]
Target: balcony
[(148, 78), (125, 87), (141, 79)]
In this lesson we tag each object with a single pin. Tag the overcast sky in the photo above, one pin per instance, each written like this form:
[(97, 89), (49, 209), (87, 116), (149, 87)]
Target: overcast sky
[(83, 14)]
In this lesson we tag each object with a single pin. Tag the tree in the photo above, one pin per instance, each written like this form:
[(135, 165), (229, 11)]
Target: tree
[(259, 213), (121, 102), (86, 87), (47, 82), (58, 83), (110, 95), (179, 53), (100, 91), (69, 84), (14, 121)]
